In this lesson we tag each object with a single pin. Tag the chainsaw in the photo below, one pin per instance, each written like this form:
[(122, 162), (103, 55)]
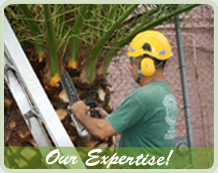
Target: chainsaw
[(73, 97)]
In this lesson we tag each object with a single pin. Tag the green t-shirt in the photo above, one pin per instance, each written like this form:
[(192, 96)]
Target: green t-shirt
[(147, 117)]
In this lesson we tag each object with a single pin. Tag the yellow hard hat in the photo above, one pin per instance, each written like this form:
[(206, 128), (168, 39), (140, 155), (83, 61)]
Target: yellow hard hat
[(149, 45), (152, 43)]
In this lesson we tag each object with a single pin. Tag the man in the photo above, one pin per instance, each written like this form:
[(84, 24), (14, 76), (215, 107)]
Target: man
[(147, 117)]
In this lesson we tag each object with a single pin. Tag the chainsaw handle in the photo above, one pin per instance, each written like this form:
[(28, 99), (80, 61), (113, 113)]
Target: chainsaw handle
[(95, 114)]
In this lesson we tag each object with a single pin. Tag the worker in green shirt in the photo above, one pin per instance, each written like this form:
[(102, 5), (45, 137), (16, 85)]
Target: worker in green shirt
[(147, 116)]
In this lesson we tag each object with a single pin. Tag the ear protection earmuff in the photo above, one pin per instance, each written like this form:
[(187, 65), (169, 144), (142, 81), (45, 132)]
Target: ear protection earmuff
[(147, 67)]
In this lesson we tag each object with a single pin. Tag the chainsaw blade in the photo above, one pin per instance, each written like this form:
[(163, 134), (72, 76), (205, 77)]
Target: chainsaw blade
[(73, 97)]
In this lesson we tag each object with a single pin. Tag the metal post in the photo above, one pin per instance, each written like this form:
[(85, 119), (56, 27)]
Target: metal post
[(184, 86)]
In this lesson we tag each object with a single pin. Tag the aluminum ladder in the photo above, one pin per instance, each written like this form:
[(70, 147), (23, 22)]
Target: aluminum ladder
[(30, 96)]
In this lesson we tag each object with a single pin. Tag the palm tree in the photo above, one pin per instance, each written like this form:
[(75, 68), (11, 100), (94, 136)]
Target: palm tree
[(82, 38)]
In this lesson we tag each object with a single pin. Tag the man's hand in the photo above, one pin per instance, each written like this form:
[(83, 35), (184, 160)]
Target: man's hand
[(100, 128), (79, 109)]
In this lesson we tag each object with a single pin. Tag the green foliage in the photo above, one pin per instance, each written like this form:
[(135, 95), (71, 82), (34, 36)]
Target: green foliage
[(32, 26), (95, 33), (78, 26), (51, 40)]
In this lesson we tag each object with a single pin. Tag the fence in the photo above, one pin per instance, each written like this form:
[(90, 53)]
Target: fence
[(198, 44)]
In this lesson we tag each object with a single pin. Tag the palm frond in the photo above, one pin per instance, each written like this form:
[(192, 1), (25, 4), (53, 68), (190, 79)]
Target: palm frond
[(96, 32), (51, 40)]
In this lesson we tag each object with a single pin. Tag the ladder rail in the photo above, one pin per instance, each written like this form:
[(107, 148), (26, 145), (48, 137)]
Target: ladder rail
[(31, 120), (36, 94)]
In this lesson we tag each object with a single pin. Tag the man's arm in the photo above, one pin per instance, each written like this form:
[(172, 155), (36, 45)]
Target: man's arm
[(99, 128)]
